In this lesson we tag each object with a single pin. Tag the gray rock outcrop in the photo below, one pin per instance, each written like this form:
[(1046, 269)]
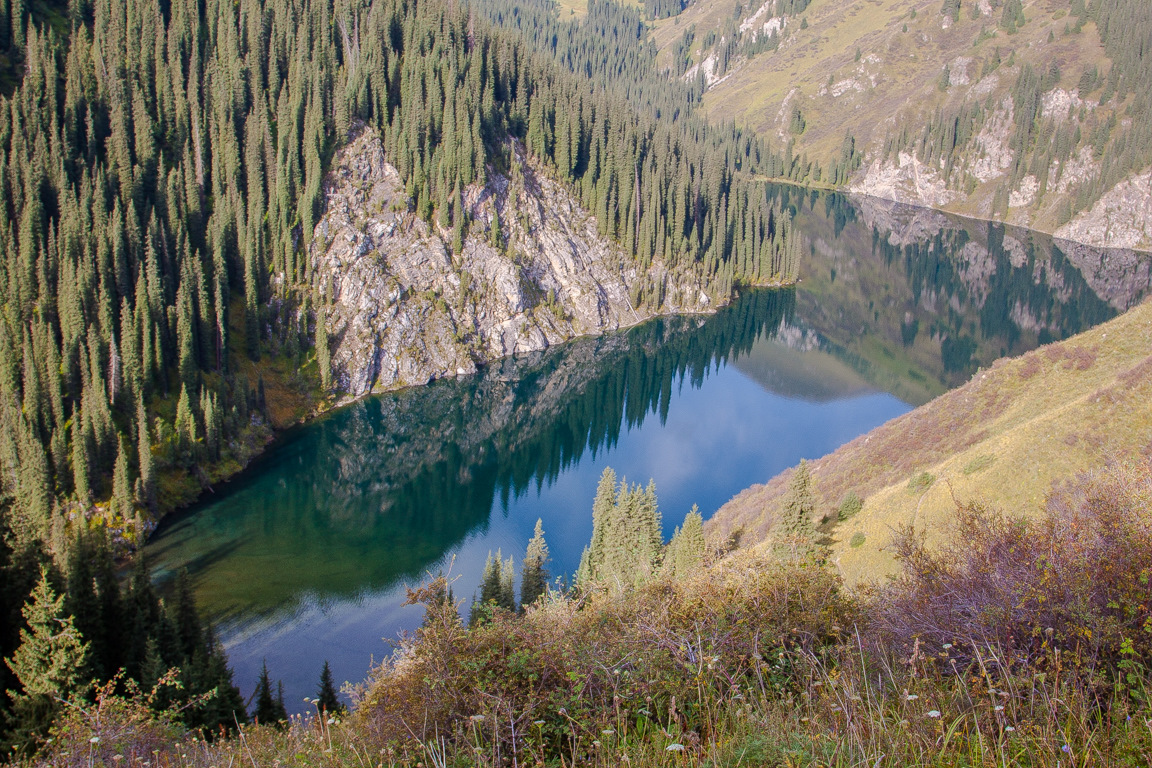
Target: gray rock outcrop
[(402, 309)]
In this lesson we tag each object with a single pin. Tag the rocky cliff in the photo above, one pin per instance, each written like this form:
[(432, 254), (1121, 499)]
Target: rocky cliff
[(401, 308), (970, 111)]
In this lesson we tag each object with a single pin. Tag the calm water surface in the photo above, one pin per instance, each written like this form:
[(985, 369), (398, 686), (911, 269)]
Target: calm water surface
[(307, 556)]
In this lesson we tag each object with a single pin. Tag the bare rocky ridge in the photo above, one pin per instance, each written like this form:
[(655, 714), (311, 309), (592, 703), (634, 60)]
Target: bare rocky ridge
[(402, 309)]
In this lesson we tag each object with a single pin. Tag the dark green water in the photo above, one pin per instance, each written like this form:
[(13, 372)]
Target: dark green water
[(306, 557)]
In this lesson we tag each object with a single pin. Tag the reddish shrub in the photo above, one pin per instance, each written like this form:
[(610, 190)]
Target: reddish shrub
[(1077, 580)]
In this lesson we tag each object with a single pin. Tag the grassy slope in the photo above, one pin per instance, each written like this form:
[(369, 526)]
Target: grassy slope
[(897, 75), (1005, 437)]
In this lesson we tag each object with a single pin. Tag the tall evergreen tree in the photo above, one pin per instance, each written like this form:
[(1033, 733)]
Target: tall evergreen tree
[(796, 527), (326, 697), (269, 708), (52, 658), (685, 552), (626, 534), (533, 571)]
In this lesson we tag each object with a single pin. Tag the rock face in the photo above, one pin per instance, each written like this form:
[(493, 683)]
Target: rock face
[(905, 180), (1122, 217), (1119, 219), (403, 309)]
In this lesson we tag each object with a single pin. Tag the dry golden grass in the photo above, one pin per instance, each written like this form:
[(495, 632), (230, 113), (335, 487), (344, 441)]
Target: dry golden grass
[(901, 61), (577, 9), (1005, 437)]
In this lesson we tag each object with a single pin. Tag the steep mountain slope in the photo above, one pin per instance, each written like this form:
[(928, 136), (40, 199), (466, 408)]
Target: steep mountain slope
[(1032, 112), (1005, 438), (532, 272)]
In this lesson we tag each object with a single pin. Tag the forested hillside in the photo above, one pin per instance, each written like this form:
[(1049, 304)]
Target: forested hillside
[(1034, 112), (163, 171), (159, 200)]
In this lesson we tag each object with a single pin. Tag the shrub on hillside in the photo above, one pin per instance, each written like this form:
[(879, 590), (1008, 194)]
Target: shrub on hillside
[(609, 660), (1076, 581)]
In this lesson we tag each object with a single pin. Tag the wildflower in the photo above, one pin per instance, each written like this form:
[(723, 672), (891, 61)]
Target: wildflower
[(607, 732), (537, 722), (674, 748), (595, 743), (476, 718), (998, 708), (947, 646), (910, 696), (934, 713), (94, 740), (1066, 749), (1009, 729)]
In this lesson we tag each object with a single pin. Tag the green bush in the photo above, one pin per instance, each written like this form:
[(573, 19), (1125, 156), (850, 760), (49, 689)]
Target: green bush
[(921, 482), (849, 506)]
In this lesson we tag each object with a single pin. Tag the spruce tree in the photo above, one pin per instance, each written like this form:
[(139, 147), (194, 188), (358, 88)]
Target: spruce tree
[(603, 508), (51, 664), (685, 552), (796, 527), (534, 574), (626, 534), (507, 599), (323, 355), (269, 708), (326, 697), (185, 618), (52, 657)]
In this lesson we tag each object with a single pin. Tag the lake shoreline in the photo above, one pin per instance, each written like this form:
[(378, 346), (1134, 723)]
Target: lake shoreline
[(271, 435)]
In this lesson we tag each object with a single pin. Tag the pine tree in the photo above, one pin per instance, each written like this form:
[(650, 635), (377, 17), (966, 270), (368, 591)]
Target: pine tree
[(269, 708), (186, 428), (603, 507), (52, 657), (685, 552), (326, 698), (147, 479), (626, 533), (82, 603), (184, 617), (507, 599), (796, 526), (122, 484), (534, 574)]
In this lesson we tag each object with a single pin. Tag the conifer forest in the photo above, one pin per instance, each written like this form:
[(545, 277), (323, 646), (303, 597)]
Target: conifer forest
[(165, 172)]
